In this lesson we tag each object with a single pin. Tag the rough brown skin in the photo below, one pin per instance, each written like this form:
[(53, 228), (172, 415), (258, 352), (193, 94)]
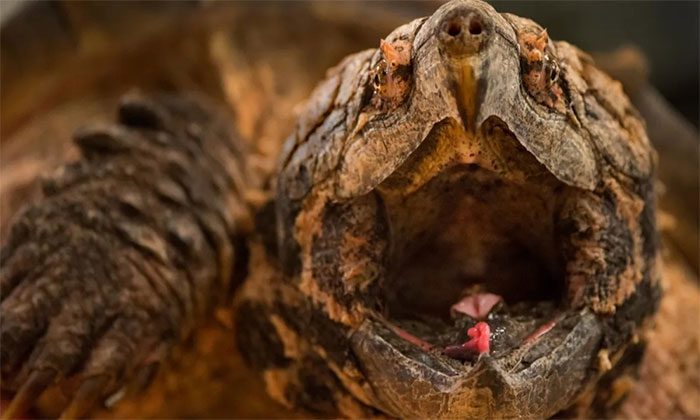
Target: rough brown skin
[(360, 241)]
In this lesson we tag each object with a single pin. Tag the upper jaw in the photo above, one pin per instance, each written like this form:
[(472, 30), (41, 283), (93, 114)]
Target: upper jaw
[(480, 61), (465, 66), (462, 58)]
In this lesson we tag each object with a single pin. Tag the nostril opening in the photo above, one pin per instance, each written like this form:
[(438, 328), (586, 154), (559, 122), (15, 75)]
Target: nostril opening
[(475, 27), (463, 32), (454, 28)]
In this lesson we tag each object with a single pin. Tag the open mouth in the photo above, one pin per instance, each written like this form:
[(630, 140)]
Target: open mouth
[(477, 269), (474, 244), (470, 246)]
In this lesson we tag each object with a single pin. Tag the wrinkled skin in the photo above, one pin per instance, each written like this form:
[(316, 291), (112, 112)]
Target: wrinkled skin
[(364, 173)]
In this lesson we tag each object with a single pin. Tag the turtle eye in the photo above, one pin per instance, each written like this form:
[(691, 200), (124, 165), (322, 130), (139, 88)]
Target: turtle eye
[(379, 74), (551, 69)]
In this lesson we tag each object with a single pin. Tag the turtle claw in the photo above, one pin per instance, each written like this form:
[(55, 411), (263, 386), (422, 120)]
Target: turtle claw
[(144, 378), (29, 392), (89, 392), (85, 311)]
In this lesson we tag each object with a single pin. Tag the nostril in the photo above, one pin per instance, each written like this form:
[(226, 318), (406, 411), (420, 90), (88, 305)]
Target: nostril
[(454, 28), (463, 31), (475, 26), (457, 25)]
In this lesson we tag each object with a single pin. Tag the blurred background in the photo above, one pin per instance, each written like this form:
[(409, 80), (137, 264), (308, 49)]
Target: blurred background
[(667, 33)]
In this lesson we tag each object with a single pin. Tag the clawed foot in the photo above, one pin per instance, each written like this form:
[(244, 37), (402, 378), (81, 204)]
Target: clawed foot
[(75, 303), (100, 278)]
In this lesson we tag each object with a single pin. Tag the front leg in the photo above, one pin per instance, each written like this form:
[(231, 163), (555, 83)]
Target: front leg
[(127, 249)]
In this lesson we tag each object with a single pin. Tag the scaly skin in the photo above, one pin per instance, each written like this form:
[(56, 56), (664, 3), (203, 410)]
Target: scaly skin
[(128, 249)]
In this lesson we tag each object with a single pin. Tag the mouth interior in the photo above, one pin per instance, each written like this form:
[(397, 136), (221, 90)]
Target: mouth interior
[(469, 231)]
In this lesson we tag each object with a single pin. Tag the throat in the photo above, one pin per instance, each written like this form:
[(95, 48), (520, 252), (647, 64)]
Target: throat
[(469, 232)]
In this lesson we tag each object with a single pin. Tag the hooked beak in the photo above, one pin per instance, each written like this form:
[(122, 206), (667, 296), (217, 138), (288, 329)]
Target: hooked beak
[(463, 34)]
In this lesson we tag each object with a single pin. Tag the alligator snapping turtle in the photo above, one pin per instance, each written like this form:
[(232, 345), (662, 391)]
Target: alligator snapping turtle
[(469, 154)]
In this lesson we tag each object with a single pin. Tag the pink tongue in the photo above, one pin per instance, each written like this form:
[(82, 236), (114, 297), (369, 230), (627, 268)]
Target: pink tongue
[(476, 306), (479, 335), (478, 343)]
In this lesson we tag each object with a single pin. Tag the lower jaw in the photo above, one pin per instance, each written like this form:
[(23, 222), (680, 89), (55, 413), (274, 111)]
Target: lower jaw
[(522, 376)]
